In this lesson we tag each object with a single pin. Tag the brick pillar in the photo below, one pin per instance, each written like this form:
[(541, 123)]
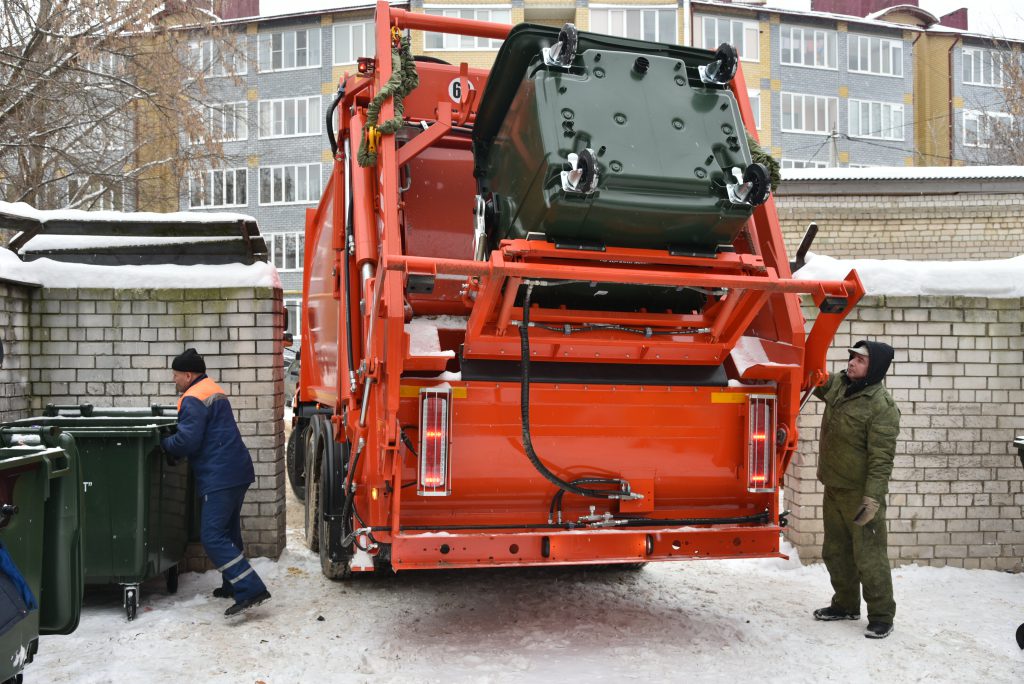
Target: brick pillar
[(15, 334)]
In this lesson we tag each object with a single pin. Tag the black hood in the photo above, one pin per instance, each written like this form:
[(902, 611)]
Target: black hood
[(879, 359)]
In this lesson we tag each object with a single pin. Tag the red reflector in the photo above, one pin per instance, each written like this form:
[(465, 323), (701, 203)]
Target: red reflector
[(434, 476), (761, 449)]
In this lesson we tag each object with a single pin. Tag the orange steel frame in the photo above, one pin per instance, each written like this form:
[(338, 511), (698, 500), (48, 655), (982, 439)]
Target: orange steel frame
[(371, 402)]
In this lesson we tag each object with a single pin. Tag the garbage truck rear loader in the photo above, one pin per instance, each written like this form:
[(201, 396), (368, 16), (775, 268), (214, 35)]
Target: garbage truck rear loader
[(548, 316)]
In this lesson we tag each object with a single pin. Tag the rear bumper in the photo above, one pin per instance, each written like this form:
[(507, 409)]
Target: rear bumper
[(432, 550)]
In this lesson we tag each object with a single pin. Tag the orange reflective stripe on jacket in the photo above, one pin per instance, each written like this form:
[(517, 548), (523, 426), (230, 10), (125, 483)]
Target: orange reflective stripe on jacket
[(203, 390)]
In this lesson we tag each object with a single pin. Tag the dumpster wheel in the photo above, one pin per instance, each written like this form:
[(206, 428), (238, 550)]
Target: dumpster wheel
[(172, 579), (131, 601)]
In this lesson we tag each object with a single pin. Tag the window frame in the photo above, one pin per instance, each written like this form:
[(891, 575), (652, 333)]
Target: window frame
[(105, 201), (787, 163), (855, 132), (313, 197), (893, 44), (311, 115), (222, 110), (830, 100), (369, 40), (745, 24), (216, 63), (296, 320), (995, 61), (209, 174), (981, 117), (297, 239), (456, 11), (827, 33), (752, 94), (625, 10), (266, 49)]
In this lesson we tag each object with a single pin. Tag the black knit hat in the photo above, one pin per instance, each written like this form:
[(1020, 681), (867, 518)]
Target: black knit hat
[(189, 362)]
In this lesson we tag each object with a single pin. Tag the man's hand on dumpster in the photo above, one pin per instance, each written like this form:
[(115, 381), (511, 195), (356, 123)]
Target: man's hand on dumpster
[(159, 452), (167, 430), (867, 511)]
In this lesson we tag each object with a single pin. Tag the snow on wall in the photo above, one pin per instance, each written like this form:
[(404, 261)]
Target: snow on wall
[(51, 242), (27, 211), (998, 279), (49, 273)]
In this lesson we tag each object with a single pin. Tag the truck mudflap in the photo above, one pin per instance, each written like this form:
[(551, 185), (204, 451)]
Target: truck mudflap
[(432, 550)]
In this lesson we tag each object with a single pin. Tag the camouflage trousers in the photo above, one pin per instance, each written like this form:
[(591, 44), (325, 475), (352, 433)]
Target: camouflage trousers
[(857, 556)]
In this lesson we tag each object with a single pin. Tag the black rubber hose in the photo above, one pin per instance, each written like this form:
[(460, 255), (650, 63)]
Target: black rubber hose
[(524, 340), (330, 117)]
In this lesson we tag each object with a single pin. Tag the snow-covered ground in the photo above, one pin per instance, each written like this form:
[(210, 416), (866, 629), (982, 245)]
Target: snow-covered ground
[(704, 621)]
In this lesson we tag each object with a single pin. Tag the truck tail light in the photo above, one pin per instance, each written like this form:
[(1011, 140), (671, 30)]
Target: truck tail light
[(434, 474), (761, 449)]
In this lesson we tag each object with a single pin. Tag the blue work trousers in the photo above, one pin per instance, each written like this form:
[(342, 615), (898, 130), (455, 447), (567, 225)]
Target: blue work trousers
[(221, 534)]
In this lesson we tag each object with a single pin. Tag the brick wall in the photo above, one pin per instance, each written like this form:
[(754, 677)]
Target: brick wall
[(114, 347), (949, 225), (956, 494), (15, 335)]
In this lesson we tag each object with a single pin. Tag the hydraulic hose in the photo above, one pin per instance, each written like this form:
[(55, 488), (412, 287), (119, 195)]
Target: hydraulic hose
[(524, 339), (330, 117)]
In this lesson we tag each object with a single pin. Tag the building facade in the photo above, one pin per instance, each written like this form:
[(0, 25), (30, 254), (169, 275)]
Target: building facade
[(851, 83)]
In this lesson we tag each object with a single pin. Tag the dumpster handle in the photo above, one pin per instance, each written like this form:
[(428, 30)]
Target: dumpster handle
[(52, 461)]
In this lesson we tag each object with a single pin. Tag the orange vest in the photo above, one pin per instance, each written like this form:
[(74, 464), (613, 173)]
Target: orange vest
[(202, 390)]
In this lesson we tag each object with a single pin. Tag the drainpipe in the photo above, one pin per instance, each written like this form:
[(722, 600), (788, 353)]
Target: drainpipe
[(952, 138)]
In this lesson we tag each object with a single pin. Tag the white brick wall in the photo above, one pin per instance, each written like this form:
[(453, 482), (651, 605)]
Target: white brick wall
[(956, 494), (14, 333)]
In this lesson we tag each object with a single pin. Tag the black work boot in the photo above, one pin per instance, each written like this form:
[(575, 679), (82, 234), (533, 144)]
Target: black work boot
[(830, 613), (878, 630), (247, 604), (223, 592)]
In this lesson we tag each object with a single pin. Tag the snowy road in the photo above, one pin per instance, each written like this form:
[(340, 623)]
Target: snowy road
[(703, 621)]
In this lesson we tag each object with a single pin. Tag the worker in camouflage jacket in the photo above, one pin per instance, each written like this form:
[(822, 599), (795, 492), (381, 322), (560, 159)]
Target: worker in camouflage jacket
[(857, 446)]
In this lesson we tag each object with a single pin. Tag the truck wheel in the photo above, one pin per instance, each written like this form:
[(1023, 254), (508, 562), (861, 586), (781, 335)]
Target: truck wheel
[(295, 460), (315, 444), (329, 476)]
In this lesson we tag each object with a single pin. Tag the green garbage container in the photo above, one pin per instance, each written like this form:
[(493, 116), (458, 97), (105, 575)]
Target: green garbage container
[(137, 508), (25, 476)]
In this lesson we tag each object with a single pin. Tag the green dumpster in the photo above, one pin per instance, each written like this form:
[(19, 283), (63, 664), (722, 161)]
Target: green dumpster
[(137, 508), (26, 473)]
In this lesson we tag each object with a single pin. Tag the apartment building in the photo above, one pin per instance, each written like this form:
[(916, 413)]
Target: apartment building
[(848, 83)]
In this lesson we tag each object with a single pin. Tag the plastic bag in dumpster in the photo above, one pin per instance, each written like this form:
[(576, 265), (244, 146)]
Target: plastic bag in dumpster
[(593, 140), (16, 599)]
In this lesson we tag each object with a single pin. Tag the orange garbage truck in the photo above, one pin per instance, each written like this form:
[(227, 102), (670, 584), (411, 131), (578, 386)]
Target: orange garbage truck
[(548, 317)]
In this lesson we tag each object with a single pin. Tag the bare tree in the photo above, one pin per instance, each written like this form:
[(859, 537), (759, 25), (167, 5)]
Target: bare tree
[(994, 126), (106, 104)]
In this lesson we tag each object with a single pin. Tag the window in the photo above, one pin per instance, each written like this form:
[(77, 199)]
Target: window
[(984, 67), (808, 47), (226, 122), (870, 55), (979, 127), (284, 118), (876, 120), (656, 23), (755, 104), (742, 35), (215, 58), (290, 50), (293, 305), (94, 196), (803, 164), (809, 113), (352, 41), (289, 184), (446, 41), (286, 250), (218, 188)]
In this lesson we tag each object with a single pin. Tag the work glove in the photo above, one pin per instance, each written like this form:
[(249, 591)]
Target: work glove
[(167, 430), (867, 511), (159, 452)]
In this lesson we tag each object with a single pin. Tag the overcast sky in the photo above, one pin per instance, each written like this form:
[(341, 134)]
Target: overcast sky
[(1003, 18)]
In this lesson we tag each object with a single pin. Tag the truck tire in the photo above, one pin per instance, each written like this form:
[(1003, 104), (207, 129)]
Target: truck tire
[(314, 445), (295, 460), (333, 570)]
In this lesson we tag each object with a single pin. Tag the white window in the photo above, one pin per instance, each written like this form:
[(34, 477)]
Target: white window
[(876, 120), (808, 47), (226, 122), (286, 250), (870, 55), (293, 305), (218, 58), (809, 113), (803, 164), (286, 118), (985, 67), (742, 35), (94, 196), (446, 41), (755, 104), (655, 23), (352, 41), (979, 127), (218, 188), (290, 184), (290, 50)]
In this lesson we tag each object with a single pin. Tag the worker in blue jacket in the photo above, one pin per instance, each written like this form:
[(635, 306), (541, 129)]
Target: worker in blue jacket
[(208, 437)]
